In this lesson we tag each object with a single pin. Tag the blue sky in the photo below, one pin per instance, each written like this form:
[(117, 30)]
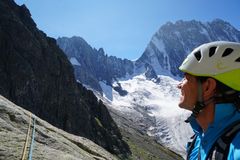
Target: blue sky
[(123, 28)]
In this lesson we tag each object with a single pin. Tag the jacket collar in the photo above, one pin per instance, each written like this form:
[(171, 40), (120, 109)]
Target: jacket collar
[(222, 111)]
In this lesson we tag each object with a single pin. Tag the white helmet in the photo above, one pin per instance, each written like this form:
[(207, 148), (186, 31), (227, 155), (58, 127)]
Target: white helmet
[(219, 60)]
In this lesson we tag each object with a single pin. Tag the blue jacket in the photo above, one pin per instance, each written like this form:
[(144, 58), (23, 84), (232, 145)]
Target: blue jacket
[(225, 114)]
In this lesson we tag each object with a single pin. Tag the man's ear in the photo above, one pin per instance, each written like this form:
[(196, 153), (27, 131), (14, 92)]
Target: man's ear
[(209, 87)]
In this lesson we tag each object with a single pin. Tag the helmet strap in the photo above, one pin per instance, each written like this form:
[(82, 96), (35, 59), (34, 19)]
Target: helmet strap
[(225, 94), (200, 104), (237, 101), (231, 93)]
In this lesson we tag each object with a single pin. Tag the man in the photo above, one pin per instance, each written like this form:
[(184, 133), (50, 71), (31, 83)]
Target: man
[(211, 90)]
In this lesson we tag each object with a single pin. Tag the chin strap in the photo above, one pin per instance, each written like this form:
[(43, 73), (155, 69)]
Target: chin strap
[(198, 108), (200, 104), (230, 93)]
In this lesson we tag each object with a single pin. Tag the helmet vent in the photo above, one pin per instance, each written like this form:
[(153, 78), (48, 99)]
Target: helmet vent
[(212, 51), (238, 59), (198, 55), (227, 52)]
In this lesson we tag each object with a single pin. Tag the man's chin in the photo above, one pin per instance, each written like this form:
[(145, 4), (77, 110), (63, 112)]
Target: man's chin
[(181, 105)]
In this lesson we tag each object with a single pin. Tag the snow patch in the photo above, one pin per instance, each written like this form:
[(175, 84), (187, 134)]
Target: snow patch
[(74, 61), (159, 44), (107, 90), (205, 32)]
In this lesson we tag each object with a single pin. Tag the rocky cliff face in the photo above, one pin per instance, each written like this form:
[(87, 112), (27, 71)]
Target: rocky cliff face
[(91, 65), (49, 141), (37, 75), (174, 41)]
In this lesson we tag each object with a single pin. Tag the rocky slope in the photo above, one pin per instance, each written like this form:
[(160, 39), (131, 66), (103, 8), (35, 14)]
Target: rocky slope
[(37, 75), (49, 141), (143, 147)]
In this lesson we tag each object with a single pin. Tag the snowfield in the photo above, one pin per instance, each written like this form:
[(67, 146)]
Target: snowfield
[(156, 98)]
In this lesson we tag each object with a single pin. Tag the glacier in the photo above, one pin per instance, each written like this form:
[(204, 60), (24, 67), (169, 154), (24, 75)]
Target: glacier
[(159, 100)]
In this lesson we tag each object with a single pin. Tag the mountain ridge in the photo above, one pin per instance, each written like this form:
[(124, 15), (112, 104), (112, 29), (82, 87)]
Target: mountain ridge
[(172, 41), (95, 64)]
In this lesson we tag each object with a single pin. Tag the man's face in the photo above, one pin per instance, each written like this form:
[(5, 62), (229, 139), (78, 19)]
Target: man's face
[(189, 89)]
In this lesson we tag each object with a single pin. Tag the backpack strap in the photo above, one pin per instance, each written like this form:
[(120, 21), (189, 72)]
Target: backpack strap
[(190, 146), (220, 148)]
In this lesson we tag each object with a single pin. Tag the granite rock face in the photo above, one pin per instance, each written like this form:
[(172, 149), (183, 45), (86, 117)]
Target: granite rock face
[(37, 75), (49, 141)]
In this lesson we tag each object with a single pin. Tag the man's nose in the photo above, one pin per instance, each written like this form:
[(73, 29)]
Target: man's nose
[(179, 86)]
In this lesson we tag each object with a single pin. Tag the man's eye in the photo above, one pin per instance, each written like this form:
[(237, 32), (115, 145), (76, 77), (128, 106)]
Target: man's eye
[(183, 79)]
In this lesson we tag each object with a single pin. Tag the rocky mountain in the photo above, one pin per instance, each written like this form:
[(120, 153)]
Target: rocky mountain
[(162, 56), (37, 75), (49, 142), (173, 41), (91, 65), (147, 96)]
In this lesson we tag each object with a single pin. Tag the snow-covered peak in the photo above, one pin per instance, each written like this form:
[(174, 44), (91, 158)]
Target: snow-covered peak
[(173, 41)]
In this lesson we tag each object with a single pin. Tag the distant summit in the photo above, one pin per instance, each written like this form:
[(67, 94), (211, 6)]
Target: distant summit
[(173, 41)]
